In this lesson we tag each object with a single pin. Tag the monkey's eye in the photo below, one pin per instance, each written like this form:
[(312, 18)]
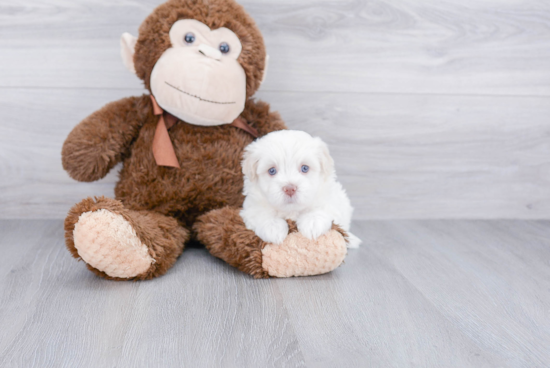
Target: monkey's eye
[(224, 47), (272, 171), (305, 168), (189, 37)]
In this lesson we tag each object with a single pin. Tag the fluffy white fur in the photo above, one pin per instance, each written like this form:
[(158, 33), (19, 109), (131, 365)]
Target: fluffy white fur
[(318, 199)]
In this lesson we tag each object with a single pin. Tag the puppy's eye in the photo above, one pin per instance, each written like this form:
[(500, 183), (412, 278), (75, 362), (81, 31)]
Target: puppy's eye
[(189, 38), (305, 168), (272, 171)]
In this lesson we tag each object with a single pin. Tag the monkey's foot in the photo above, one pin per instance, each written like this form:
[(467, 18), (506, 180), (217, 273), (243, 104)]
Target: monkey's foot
[(108, 243), (300, 256), (122, 244), (225, 236)]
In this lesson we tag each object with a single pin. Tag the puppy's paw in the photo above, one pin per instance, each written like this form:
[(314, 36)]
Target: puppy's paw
[(273, 231), (314, 224)]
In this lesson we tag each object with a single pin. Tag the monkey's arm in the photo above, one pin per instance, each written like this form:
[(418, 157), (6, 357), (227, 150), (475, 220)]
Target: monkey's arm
[(101, 140), (257, 114)]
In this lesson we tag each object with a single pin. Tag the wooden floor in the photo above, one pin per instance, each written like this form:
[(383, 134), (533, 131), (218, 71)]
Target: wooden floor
[(418, 293)]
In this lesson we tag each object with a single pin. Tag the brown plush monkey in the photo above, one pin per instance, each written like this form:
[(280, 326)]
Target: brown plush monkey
[(202, 60)]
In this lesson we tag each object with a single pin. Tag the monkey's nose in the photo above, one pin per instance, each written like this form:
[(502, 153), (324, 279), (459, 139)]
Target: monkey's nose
[(290, 189), (210, 52)]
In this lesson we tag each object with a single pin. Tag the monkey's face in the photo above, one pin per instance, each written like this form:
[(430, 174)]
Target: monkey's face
[(199, 79), (201, 59), (198, 76)]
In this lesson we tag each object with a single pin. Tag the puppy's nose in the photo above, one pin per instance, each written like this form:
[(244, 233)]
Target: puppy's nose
[(290, 189)]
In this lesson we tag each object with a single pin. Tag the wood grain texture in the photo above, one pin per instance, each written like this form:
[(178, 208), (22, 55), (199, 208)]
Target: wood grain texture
[(398, 156), (401, 46), (433, 109), (474, 274), (418, 293)]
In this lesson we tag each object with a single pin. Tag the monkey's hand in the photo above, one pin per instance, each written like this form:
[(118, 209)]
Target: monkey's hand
[(101, 140)]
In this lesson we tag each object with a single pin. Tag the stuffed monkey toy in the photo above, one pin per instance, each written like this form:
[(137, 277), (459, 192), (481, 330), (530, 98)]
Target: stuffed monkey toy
[(180, 147)]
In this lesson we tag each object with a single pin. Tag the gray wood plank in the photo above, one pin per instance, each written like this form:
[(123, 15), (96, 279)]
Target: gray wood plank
[(399, 156), (374, 317), (418, 293), (202, 313), (401, 46), (488, 279)]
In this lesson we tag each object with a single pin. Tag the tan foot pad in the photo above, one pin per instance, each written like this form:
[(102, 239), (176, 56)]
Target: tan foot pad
[(299, 256), (225, 236), (107, 242)]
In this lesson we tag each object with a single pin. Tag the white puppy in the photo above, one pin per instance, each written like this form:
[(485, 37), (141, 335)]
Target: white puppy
[(288, 174)]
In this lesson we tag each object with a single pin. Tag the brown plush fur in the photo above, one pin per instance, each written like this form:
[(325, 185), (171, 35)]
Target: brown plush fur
[(210, 176), (149, 196), (225, 235), (104, 138), (162, 235)]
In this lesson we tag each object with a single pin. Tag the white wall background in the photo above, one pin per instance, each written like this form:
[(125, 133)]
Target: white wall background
[(432, 109)]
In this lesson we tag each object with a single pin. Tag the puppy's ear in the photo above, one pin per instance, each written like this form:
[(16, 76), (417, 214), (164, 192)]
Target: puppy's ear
[(250, 163), (327, 163)]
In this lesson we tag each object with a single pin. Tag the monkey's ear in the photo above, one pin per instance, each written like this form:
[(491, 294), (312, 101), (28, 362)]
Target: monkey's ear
[(265, 69), (127, 48)]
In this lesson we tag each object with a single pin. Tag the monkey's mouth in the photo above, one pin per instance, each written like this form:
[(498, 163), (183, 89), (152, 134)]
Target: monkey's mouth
[(198, 97)]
